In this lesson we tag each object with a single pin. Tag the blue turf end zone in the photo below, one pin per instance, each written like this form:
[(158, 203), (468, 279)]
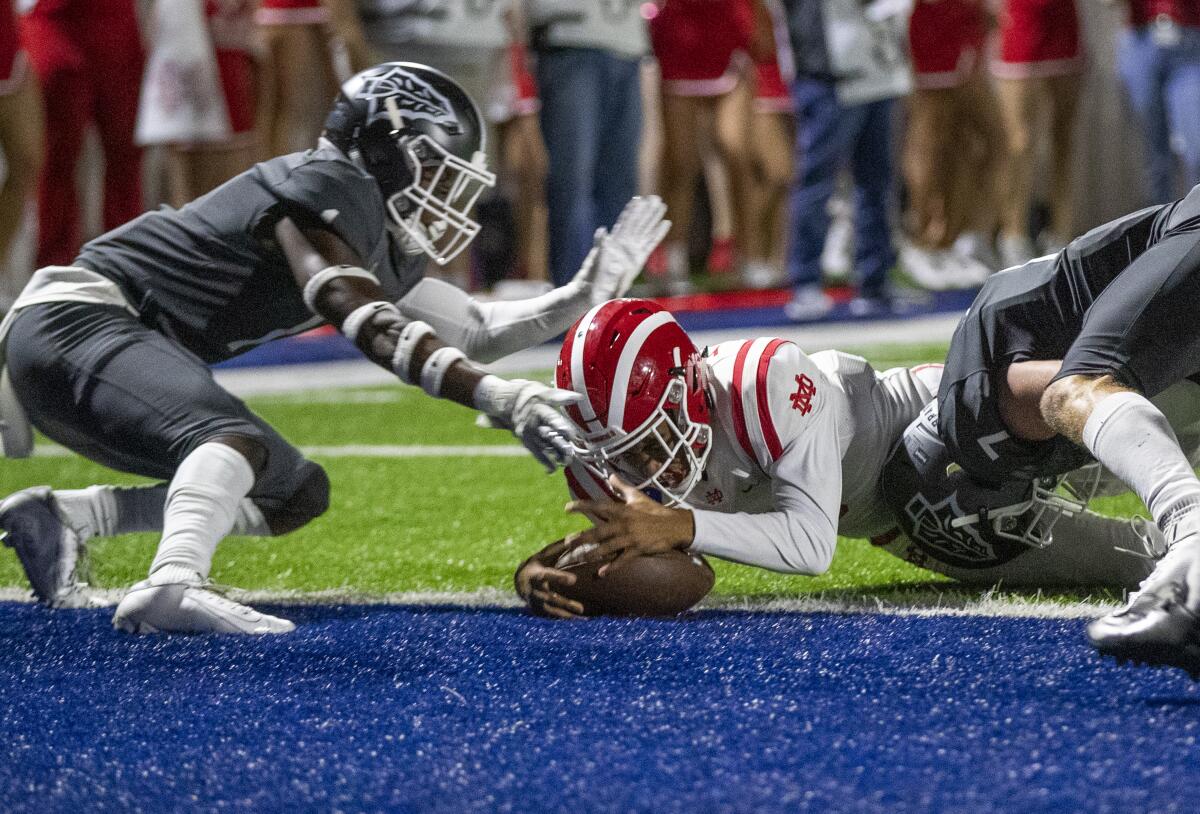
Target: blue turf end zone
[(436, 709)]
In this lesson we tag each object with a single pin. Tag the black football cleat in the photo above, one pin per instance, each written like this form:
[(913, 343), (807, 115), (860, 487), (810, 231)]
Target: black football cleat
[(49, 550), (1156, 627)]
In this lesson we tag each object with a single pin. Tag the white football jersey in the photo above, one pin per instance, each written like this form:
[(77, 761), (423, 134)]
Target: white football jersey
[(798, 445)]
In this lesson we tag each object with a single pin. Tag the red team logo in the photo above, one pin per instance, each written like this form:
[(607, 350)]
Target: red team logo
[(802, 398)]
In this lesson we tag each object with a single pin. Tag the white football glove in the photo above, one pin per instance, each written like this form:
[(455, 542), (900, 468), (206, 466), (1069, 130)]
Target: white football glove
[(617, 257), (533, 412)]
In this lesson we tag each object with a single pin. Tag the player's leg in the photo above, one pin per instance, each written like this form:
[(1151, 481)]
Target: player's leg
[(1138, 339), (97, 381)]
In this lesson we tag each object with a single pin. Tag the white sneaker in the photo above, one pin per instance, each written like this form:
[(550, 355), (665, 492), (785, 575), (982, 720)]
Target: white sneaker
[(759, 274), (964, 271), (837, 257), (928, 268), (191, 606), (1015, 250), (978, 247), (810, 302), (49, 549)]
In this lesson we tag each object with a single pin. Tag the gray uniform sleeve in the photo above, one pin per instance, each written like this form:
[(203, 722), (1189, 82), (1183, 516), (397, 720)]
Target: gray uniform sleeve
[(333, 194)]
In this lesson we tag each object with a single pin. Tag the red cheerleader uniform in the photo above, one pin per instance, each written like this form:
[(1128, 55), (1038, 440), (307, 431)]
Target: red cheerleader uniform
[(946, 39), (1038, 38), (701, 45)]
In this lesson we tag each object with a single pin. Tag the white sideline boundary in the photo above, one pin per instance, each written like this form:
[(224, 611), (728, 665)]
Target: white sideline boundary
[(258, 381), (921, 604)]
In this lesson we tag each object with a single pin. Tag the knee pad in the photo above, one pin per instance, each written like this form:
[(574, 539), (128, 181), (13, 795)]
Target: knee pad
[(308, 501)]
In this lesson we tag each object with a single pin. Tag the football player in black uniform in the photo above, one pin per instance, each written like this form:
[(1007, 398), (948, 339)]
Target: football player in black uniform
[(1054, 365), (109, 357)]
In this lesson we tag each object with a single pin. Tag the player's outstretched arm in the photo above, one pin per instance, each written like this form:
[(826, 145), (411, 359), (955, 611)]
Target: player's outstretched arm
[(487, 331), (350, 297)]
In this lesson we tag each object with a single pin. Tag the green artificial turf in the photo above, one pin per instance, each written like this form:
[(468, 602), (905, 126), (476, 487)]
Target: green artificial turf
[(431, 524)]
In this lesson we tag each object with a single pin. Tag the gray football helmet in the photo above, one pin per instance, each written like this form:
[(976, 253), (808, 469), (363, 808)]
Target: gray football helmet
[(956, 519)]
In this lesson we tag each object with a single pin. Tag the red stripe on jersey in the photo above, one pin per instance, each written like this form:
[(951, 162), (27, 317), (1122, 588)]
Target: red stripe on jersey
[(764, 409), (739, 413)]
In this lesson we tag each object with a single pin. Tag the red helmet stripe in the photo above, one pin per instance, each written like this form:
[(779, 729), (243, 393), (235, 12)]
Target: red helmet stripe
[(629, 353), (764, 408), (735, 397), (587, 410)]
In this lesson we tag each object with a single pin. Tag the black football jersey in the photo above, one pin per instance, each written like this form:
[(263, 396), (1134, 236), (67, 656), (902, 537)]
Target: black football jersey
[(210, 274)]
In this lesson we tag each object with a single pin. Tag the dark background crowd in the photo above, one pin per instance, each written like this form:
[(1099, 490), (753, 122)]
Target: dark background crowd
[(796, 142)]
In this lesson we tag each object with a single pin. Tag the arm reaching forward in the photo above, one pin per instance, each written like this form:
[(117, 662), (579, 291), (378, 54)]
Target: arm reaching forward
[(339, 290)]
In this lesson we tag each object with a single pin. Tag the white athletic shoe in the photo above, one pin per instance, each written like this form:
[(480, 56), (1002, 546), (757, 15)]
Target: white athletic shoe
[(928, 268), (49, 549), (760, 275), (192, 606), (837, 256), (1159, 625), (809, 303)]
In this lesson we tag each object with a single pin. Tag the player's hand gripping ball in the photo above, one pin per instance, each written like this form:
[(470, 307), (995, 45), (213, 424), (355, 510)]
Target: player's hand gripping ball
[(665, 584)]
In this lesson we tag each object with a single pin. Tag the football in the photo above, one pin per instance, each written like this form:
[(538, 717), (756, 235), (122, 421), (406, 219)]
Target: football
[(659, 585)]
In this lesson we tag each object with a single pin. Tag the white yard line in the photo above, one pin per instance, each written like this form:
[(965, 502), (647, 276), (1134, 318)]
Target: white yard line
[(924, 604), (361, 373), (363, 451)]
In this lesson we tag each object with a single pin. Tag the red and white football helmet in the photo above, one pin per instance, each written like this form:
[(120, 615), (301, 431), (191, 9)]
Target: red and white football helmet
[(645, 413)]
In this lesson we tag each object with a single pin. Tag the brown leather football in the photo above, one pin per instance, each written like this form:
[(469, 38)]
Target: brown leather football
[(660, 585)]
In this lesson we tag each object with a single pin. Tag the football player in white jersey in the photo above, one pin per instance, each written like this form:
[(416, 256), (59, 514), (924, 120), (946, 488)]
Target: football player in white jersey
[(763, 455)]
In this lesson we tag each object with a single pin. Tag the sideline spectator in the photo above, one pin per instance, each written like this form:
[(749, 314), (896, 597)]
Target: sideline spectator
[(707, 96), (1159, 62), (523, 162), (951, 147), (198, 96), (1038, 66), (312, 45), (20, 139), (87, 55), (850, 67), (588, 57), (772, 134)]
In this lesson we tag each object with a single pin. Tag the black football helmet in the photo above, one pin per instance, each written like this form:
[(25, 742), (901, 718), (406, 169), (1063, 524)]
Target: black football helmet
[(421, 137), (956, 519)]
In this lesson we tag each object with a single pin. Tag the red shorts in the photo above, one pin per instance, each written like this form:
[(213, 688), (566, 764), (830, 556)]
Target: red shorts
[(291, 12), (515, 94), (1038, 38), (946, 39), (699, 43), (13, 62)]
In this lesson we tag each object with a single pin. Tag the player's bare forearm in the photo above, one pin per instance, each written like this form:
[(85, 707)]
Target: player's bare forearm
[(343, 296)]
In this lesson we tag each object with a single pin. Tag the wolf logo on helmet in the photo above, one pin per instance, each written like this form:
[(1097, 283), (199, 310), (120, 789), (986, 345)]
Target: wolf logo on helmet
[(957, 520), (416, 97)]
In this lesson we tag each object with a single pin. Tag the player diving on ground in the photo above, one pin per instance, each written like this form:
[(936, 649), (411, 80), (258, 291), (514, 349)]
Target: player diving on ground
[(763, 455), (109, 357)]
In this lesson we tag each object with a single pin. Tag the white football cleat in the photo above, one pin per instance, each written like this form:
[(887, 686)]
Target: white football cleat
[(49, 549), (1159, 625), (191, 606)]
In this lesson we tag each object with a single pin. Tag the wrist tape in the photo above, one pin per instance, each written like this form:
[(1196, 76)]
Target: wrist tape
[(362, 315), (410, 337), (435, 368), (312, 288)]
